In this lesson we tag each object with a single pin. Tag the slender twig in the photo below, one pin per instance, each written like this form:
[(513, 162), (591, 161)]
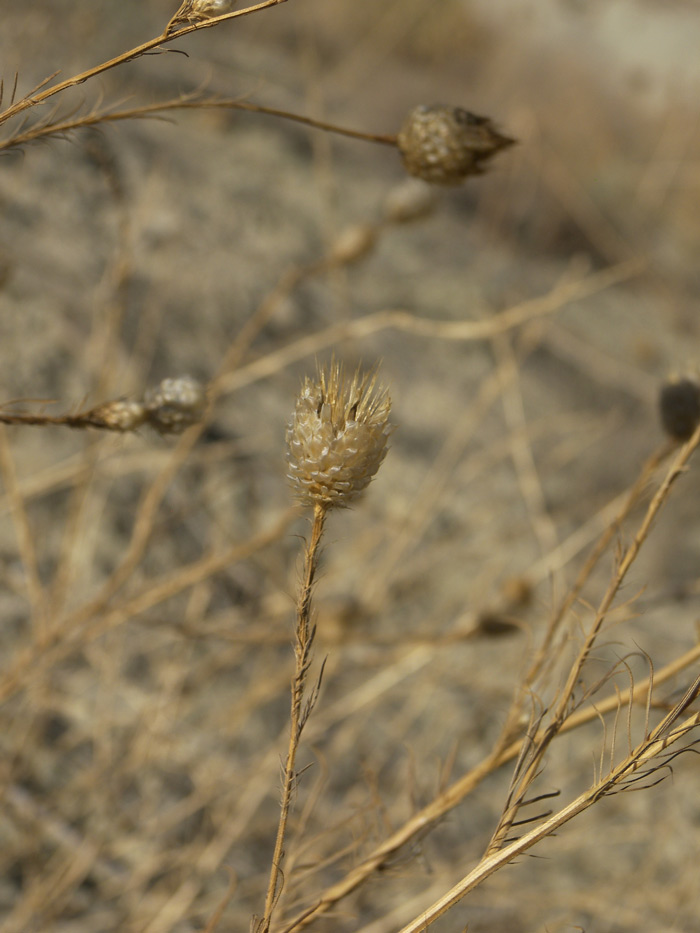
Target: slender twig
[(33, 99), (299, 710), (45, 130), (565, 700), (406, 322), (81, 420), (652, 747), (507, 749)]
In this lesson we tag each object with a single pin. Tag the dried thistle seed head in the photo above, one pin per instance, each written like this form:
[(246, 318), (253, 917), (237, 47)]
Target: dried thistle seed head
[(175, 404), (679, 407), (445, 145), (119, 415), (337, 437)]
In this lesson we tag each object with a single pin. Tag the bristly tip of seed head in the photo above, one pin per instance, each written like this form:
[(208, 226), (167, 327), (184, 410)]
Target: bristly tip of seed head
[(337, 436)]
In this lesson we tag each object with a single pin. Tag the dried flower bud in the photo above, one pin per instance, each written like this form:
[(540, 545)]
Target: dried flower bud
[(119, 415), (175, 404), (194, 11), (444, 145), (412, 200), (679, 406), (337, 437), (353, 244)]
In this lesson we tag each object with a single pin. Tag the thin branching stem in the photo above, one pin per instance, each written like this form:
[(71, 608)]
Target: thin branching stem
[(34, 99), (81, 420), (300, 710), (654, 745), (508, 750), (564, 703), (44, 130)]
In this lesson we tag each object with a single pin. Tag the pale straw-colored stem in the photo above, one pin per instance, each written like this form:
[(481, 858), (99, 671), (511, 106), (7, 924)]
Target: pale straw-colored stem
[(564, 703), (40, 96), (654, 745), (101, 117), (505, 751), (304, 637)]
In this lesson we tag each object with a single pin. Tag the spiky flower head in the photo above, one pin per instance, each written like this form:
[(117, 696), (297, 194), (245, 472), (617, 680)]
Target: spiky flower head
[(444, 145), (337, 437), (175, 404)]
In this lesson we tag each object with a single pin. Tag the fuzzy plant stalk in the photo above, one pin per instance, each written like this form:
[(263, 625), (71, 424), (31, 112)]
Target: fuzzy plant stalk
[(336, 441)]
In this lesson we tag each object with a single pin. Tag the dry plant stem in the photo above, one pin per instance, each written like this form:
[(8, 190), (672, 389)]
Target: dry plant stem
[(573, 593), (466, 331), (299, 710), (565, 700), (661, 738), (82, 420), (39, 97), (99, 118), (507, 750), (442, 804)]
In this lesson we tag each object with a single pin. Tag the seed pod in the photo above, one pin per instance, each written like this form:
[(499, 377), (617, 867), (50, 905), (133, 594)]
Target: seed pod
[(679, 407), (175, 404), (119, 415), (337, 437), (445, 145)]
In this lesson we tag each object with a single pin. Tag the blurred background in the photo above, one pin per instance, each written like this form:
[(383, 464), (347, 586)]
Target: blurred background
[(148, 584)]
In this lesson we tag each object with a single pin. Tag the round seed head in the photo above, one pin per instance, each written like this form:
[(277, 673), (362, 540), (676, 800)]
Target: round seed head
[(679, 407), (337, 437), (119, 415), (445, 145), (175, 404)]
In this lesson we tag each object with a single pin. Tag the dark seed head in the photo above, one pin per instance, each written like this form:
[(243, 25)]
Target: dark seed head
[(444, 145), (679, 406)]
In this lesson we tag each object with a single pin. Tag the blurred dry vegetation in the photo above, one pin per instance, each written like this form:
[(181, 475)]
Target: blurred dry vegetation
[(148, 584)]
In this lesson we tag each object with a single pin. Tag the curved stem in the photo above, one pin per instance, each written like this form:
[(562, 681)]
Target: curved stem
[(44, 130)]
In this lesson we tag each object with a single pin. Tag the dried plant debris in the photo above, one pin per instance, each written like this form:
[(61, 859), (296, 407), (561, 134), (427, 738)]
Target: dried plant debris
[(445, 145)]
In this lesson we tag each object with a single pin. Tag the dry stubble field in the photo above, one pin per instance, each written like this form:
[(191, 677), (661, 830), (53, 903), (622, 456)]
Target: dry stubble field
[(148, 583)]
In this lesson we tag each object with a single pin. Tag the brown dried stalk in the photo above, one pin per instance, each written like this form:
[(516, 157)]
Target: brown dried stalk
[(38, 96), (565, 702), (507, 748), (47, 129), (641, 765), (336, 442), (446, 801), (300, 710)]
